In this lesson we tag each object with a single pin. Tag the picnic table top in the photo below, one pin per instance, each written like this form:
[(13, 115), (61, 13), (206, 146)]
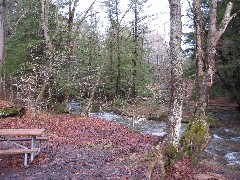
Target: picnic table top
[(21, 132)]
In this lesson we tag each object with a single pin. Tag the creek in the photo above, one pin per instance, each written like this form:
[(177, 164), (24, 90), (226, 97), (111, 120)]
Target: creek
[(225, 139)]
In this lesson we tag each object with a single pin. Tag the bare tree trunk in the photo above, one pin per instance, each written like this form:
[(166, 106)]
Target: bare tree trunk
[(176, 54), (69, 48), (88, 108), (200, 61), (135, 52), (111, 95), (42, 91), (56, 15), (45, 11), (1, 47), (206, 66), (196, 137), (214, 36), (118, 81), (49, 48), (1, 33)]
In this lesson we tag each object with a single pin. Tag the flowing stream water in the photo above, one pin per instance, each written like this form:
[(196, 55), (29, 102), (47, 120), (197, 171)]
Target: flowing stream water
[(225, 139)]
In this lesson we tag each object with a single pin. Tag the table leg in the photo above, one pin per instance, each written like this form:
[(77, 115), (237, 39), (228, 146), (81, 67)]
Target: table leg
[(25, 160), (33, 145)]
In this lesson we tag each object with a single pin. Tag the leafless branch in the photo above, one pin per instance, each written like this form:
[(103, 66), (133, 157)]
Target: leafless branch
[(226, 19), (86, 12), (130, 6)]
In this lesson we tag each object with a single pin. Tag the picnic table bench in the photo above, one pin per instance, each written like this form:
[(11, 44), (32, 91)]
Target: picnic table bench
[(9, 136)]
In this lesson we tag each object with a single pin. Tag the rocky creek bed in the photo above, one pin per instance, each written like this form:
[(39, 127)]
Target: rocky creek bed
[(225, 132)]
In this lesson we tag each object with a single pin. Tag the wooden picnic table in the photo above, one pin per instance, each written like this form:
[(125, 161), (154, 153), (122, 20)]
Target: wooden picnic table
[(21, 132), (9, 135)]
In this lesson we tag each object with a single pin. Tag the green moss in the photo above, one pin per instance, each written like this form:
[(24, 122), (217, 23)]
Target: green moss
[(194, 134), (170, 151), (8, 112), (194, 140)]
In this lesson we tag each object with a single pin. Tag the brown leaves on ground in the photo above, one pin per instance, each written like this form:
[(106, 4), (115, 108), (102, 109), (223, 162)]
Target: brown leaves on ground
[(5, 104), (72, 130), (87, 148), (78, 147)]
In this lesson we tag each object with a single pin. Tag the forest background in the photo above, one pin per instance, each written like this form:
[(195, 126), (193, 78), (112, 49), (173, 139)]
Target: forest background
[(131, 55)]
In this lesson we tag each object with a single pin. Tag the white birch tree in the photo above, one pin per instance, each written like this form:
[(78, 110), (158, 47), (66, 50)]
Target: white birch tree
[(176, 55)]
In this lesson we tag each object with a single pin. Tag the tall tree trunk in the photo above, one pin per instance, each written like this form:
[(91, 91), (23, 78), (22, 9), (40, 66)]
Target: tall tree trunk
[(88, 108), (200, 61), (118, 81), (49, 48), (1, 33), (111, 68), (69, 48), (196, 137), (56, 15), (135, 52), (206, 67), (111, 94), (1, 46), (176, 54)]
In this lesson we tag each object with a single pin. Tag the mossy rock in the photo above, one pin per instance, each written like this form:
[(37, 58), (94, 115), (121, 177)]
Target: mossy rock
[(194, 140), (170, 151), (9, 112)]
